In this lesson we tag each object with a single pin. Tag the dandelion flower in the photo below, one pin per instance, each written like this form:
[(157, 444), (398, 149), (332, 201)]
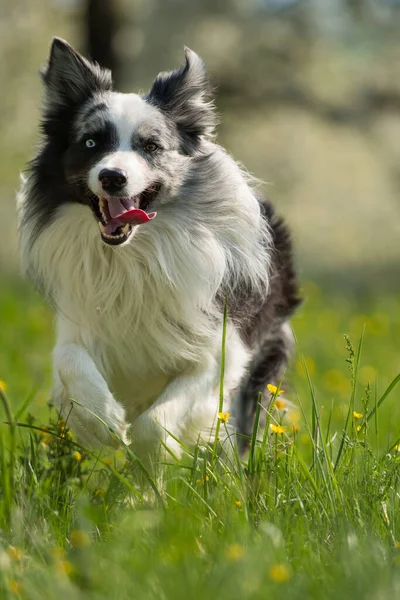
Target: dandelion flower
[(64, 567), (79, 538), (279, 573), (280, 404), (14, 553), (77, 456), (277, 429), (235, 552), (3, 386), (224, 417), (357, 415), (238, 503), (14, 587), (274, 390)]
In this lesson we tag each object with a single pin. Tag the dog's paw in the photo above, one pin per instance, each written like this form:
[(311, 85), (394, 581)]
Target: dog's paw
[(92, 414)]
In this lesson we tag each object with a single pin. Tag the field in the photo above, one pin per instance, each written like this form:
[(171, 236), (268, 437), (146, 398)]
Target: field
[(312, 513)]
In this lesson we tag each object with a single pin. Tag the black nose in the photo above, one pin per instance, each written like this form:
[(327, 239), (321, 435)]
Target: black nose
[(112, 180)]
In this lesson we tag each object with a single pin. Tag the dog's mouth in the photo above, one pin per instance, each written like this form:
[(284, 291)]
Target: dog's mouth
[(118, 215)]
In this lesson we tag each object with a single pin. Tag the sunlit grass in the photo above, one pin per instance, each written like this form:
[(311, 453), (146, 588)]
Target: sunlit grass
[(311, 512)]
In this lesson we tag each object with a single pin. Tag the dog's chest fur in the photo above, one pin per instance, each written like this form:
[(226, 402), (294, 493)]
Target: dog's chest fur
[(144, 312)]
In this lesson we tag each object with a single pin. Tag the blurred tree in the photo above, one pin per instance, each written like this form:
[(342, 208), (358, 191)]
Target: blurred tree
[(100, 27)]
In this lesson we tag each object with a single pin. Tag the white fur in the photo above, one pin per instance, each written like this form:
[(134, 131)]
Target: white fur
[(127, 112), (138, 333)]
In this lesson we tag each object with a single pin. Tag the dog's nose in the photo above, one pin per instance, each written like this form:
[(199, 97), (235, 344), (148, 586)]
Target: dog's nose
[(112, 180)]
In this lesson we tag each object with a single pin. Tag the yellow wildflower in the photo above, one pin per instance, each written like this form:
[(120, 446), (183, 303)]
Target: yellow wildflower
[(224, 417), (3, 386), (79, 538), (397, 447), (201, 481), (274, 390), (280, 404), (234, 552), (77, 456), (397, 545), (358, 427), (357, 415), (277, 429), (14, 587), (64, 567), (14, 553), (58, 552), (238, 503), (279, 573)]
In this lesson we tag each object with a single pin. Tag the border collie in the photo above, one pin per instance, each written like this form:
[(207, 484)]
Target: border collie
[(140, 229)]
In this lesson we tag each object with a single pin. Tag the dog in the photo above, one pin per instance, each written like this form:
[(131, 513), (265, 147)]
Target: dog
[(143, 233)]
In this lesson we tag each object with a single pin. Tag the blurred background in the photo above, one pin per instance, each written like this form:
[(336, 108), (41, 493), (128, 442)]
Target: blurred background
[(309, 97)]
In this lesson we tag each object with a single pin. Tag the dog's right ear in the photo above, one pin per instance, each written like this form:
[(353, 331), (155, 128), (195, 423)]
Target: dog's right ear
[(70, 78)]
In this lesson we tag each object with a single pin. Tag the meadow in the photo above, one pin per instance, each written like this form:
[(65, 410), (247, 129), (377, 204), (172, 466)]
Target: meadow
[(311, 512)]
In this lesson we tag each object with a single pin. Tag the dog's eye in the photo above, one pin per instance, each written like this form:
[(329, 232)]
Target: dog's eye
[(90, 143), (150, 147)]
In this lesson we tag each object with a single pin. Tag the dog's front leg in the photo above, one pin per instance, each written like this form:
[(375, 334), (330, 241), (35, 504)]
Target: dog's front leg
[(76, 378), (187, 409)]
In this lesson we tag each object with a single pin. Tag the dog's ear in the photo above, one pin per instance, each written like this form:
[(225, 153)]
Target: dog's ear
[(185, 95), (70, 78)]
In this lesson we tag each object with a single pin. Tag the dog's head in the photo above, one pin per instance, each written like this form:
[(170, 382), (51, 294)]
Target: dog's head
[(124, 155)]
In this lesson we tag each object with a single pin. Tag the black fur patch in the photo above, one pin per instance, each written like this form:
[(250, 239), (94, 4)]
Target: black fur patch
[(71, 81), (183, 95), (260, 321)]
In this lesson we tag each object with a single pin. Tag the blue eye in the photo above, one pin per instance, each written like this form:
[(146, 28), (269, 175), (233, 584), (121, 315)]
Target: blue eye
[(90, 143)]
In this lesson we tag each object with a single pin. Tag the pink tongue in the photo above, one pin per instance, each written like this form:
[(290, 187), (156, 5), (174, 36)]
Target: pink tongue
[(135, 216), (115, 207), (123, 213)]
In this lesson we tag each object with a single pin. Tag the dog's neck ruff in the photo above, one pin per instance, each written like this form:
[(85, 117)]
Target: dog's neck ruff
[(158, 292)]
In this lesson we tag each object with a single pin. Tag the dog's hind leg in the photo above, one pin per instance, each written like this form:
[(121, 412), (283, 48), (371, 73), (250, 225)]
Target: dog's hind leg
[(268, 366)]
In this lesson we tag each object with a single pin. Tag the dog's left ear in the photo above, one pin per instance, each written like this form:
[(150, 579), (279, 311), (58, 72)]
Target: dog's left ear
[(185, 95)]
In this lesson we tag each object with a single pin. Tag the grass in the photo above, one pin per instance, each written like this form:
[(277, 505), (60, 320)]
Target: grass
[(313, 512)]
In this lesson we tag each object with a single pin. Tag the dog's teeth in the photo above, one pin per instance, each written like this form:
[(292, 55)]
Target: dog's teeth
[(120, 236), (102, 209), (108, 236)]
